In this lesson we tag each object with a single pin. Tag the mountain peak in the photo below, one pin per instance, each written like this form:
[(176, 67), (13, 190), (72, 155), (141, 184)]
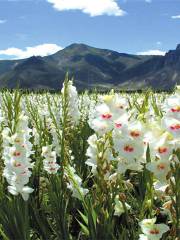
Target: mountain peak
[(74, 48), (79, 46)]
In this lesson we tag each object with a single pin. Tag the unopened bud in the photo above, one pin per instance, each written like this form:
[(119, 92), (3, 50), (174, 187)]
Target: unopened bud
[(122, 197)]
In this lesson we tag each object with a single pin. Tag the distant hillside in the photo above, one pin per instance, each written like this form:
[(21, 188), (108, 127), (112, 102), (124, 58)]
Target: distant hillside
[(93, 67)]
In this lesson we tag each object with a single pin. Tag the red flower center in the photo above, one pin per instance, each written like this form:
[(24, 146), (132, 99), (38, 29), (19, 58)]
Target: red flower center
[(162, 150), (175, 109), (161, 166), (118, 125), (154, 231), (175, 127), (128, 148), (134, 134), (106, 116), (16, 154), (17, 164)]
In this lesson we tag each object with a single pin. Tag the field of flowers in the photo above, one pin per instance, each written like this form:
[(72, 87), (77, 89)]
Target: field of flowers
[(89, 166)]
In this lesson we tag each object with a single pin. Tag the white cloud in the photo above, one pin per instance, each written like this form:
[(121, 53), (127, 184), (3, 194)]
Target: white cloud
[(3, 21), (152, 52), (39, 50), (91, 7), (175, 17)]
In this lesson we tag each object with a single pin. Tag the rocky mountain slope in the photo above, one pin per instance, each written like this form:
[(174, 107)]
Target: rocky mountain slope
[(92, 67)]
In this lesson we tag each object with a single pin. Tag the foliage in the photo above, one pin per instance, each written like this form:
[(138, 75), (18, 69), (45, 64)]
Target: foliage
[(89, 166)]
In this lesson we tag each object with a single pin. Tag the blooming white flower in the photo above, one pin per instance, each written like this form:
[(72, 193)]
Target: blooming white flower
[(172, 106), (49, 161), (129, 149), (117, 103), (151, 230), (125, 164), (135, 130), (101, 119), (161, 148), (160, 169), (100, 126), (92, 153), (55, 141), (172, 125), (25, 191), (16, 154), (103, 112)]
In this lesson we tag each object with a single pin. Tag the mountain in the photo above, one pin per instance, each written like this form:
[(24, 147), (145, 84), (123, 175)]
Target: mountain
[(93, 67)]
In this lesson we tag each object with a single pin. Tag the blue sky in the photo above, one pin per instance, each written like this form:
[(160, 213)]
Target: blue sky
[(42, 27)]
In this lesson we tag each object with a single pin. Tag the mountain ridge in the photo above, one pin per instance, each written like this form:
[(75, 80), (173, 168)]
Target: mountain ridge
[(93, 68)]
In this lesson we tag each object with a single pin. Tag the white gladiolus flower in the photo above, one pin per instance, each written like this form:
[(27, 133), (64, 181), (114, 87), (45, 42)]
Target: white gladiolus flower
[(16, 154), (129, 149), (49, 161), (25, 191), (55, 140), (117, 103), (73, 109), (121, 123), (134, 130), (151, 230), (101, 121), (100, 126), (172, 106), (125, 164), (93, 154), (103, 112), (172, 125), (161, 148), (108, 115), (160, 169)]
